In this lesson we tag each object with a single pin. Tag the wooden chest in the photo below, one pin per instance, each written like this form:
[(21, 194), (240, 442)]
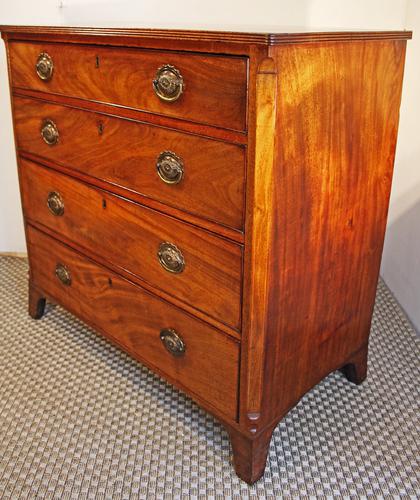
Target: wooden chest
[(214, 203)]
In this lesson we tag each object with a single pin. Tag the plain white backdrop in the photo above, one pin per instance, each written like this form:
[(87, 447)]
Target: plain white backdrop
[(401, 260)]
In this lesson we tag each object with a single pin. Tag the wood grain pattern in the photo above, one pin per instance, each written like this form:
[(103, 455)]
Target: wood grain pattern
[(199, 129), (339, 103), (215, 87), (124, 273), (144, 36), (295, 301), (250, 453), (340, 106), (124, 153), (259, 227), (214, 227), (134, 318), (128, 236)]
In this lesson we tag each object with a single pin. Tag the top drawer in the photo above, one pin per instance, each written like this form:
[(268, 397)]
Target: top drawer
[(201, 88)]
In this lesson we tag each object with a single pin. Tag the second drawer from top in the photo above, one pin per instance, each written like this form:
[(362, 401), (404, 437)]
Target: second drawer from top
[(201, 176)]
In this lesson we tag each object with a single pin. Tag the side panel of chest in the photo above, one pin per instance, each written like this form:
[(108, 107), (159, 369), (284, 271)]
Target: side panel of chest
[(339, 103)]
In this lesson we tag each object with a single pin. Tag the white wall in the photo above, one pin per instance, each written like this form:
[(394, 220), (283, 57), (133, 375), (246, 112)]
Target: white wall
[(401, 258), (237, 14), (401, 268), (12, 237)]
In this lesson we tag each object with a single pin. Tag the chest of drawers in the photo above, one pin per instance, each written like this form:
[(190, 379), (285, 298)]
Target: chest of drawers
[(214, 203)]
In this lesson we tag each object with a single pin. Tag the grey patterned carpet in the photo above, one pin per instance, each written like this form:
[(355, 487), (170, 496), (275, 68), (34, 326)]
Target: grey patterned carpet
[(81, 420)]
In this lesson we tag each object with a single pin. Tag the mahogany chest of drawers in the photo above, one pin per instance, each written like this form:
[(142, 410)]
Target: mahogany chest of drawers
[(214, 203)]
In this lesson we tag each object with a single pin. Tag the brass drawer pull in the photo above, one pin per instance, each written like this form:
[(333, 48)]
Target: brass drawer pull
[(44, 66), (49, 132), (171, 258), (168, 83), (63, 274), (55, 203), (172, 342), (170, 167)]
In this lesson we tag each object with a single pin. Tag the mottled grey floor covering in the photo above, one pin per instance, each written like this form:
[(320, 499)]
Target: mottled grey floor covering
[(79, 419)]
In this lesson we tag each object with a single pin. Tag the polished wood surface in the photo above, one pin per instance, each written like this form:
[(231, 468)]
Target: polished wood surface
[(249, 454), (128, 235), (142, 35), (134, 318), (198, 129), (260, 247), (330, 204), (124, 153), (215, 87), (214, 227), (282, 224)]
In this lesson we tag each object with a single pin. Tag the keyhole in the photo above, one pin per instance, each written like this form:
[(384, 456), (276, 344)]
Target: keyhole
[(100, 128), (103, 203), (97, 62)]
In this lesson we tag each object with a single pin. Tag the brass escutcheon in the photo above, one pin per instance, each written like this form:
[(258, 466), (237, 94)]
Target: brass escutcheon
[(44, 66), (172, 342), (168, 83)]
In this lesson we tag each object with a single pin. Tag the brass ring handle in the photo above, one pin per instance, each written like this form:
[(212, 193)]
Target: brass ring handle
[(55, 203), (168, 83), (170, 167), (172, 342), (171, 258), (44, 66), (49, 132), (63, 274)]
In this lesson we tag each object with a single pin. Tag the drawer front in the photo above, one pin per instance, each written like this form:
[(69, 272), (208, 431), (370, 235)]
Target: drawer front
[(214, 87), (201, 176), (204, 361), (207, 268)]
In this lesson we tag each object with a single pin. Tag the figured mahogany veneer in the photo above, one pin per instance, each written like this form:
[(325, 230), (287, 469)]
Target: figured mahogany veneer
[(125, 153), (288, 143), (215, 86), (134, 318), (95, 220)]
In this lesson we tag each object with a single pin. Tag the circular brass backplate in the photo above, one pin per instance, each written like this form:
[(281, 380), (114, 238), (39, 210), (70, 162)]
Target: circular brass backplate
[(49, 132), (44, 66), (168, 83), (170, 167), (171, 258), (172, 342)]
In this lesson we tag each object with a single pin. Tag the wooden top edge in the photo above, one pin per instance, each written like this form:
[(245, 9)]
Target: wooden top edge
[(278, 38), (210, 36)]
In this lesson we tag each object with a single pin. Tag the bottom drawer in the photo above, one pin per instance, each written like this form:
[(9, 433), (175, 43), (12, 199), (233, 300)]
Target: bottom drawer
[(204, 361)]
